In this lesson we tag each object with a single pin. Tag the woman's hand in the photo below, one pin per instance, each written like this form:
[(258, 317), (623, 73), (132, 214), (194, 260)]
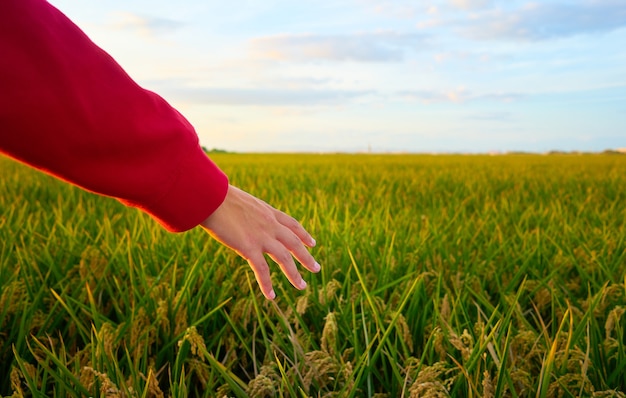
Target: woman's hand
[(252, 228)]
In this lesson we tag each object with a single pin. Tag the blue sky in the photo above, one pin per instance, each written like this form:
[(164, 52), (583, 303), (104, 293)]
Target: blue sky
[(386, 76)]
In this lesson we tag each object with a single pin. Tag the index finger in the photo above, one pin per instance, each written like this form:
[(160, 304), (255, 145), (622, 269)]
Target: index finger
[(296, 228)]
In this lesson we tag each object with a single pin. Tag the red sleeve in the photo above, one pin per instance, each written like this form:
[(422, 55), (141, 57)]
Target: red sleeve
[(67, 108)]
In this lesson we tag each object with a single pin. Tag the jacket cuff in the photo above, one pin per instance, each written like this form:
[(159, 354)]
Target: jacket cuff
[(197, 190)]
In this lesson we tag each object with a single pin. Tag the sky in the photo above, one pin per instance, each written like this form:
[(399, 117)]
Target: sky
[(465, 76)]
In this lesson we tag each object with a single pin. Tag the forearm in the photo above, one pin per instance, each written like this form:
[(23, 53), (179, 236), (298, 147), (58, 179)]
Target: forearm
[(66, 107)]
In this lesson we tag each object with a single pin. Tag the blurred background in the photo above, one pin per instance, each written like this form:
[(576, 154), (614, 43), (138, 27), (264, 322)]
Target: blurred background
[(377, 76)]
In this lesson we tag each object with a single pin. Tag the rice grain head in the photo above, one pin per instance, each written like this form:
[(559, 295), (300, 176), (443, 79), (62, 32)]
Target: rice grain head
[(13, 298), (608, 394), (108, 389), (16, 377), (201, 370), (444, 311), (106, 339), (92, 266), (570, 382), (405, 331), (440, 348), (195, 340), (430, 382), (261, 387), (140, 323), (463, 343), (302, 304), (162, 315), (180, 320), (320, 367), (329, 334), (488, 391), (328, 292), (613, 319), (154, 390)]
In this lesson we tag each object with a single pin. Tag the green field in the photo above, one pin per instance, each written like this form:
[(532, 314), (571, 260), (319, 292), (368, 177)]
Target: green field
[(441, 276)]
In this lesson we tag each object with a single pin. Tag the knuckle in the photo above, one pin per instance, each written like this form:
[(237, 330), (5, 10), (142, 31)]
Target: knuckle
[(288, 221), (283, 258), (294, 225), (293, 242), (290, 239), (262, 267), (249, 252)]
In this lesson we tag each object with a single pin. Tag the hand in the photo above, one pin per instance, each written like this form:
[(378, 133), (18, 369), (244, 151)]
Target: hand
[(252, 228)]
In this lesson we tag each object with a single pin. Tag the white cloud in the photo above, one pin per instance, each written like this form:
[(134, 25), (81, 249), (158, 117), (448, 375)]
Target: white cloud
[(401, 9), (471, 4), (492, 116), (540, 21), (385, 46), (457, 95), (184, 92), (147, 26)]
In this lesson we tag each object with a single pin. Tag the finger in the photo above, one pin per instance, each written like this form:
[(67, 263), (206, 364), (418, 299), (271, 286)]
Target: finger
[(262, 275), (283, 258), (294, 245), (295, 227)]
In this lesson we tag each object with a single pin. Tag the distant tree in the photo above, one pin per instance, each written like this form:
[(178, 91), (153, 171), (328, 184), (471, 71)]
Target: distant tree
[(613, 152), (214, 150)]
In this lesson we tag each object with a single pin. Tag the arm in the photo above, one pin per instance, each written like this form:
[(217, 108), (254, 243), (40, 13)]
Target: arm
[(68, 109)]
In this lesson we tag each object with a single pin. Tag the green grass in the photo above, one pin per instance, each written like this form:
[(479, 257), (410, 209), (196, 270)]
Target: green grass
[(441, 276)]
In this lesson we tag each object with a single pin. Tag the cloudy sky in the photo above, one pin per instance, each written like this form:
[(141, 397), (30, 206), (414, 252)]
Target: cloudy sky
[(359, 75)]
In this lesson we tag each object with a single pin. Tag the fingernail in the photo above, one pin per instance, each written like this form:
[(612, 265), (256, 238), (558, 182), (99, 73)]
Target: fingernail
[(313, 242), (302, 284), (272, 295), (316, 267)]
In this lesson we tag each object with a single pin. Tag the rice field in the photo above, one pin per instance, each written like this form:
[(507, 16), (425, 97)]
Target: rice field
[(460, 276)]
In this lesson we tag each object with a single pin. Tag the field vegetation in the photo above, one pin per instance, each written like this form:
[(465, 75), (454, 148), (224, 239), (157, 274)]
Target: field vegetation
[(462, 276)]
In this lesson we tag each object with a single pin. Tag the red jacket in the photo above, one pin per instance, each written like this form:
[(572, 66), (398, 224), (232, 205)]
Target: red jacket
[(67, 108)]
